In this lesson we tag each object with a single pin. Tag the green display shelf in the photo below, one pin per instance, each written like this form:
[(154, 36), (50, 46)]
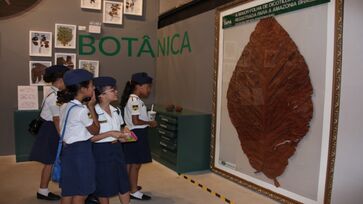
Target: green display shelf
[(182, 140), (23, 139)]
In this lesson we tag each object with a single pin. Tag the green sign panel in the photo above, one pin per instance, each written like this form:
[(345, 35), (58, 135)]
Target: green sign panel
[(272, 8)]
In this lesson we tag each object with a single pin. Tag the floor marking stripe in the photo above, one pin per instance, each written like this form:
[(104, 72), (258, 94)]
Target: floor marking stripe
[(194, 182)]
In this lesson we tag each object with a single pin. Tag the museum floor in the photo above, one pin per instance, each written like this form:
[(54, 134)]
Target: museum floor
[(19, 182)]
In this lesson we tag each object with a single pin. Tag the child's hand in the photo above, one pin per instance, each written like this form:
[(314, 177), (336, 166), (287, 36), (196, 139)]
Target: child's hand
[(116, 134), (93, 100), (153, 123), (124, 137)]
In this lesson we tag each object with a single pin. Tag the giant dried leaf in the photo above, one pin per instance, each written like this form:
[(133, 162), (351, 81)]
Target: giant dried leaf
[(269, 98)]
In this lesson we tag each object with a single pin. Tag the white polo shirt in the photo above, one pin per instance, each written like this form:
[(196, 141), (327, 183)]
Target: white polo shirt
[(78, 119), (50, 107), (135, 106), (109, 122)]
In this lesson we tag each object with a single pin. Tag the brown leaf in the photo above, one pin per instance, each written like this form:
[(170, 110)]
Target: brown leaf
[(269, 98)]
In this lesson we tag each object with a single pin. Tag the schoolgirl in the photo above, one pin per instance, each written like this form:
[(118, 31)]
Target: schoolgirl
[(45, 146), (79, 122), (111, 173), (136, 119)]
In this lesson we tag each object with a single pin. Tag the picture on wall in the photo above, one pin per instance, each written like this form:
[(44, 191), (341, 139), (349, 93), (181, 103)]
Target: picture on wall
[(66, 59), (36, 72), (65, 36), (133, 7), (90, 65), (40, 43), (91, 4), (112, 12), (275, 97)]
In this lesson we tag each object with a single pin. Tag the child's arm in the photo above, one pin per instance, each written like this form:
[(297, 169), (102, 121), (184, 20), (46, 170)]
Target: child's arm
[(112, 133), (56, 122), (94, 129), (137, 121)]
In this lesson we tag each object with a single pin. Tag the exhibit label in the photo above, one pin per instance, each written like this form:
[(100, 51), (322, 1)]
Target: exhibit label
[(272, 8), (176, 44)]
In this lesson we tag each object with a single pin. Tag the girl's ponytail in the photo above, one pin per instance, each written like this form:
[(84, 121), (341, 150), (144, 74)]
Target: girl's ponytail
[(129, 88)]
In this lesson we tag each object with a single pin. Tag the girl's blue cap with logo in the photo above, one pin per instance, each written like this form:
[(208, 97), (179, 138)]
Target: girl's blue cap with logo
[(103, 81), (77, 76), (56, 69), (142, 78)]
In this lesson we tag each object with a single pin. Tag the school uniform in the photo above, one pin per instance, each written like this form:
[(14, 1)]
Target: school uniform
[(111, 172), (78, 165), (44, 149), (137, 152)]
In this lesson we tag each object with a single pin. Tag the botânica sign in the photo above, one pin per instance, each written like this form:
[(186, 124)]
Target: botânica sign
[(177, 44)]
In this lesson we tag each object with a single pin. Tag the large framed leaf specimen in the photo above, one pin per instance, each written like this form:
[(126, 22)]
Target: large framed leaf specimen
[(276, 96)]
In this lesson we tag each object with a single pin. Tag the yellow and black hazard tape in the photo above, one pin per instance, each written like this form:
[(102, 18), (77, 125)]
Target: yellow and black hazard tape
[(226, 200)]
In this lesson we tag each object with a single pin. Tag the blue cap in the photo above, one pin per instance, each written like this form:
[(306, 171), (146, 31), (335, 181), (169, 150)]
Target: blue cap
[(103, 81), (56, 69), (141, 78), (76, 76)]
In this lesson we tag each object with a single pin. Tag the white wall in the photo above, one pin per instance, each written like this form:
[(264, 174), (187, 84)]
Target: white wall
[(348, 173)]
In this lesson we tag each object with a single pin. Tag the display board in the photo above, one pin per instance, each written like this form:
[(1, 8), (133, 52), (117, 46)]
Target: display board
[(276, 96)]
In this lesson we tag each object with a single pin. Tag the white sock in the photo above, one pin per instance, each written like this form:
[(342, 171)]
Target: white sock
[(43, 191)]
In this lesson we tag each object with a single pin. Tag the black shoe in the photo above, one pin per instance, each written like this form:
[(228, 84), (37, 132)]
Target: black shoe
[(139, 188), (51, 196), (92, 200), (144, 197)]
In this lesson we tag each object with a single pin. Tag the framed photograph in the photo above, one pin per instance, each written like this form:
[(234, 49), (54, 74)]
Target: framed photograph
[(276, 96), (112, 12), (91, 4), (65, 36), (133, 7), (36, 72), (66, 59), (40, 43), (90, 65)]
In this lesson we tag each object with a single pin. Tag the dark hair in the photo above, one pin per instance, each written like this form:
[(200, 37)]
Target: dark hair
[(50, 78), (70, 92), (129, 89), (100, 90)]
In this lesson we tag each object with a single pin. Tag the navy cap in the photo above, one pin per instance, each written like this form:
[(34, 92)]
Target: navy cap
[(103, 81), (55, 69), (76, 76), (141, 78)]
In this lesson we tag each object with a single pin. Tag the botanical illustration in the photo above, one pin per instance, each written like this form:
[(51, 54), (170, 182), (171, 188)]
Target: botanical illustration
[(90, 65), (66, 59), (91, 4), (133, 7), (269, 98), (36, 72), (65, 36), (40, 43), (112, 12)]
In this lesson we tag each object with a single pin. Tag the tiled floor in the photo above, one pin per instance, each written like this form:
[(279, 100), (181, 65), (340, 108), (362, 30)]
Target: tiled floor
[(19, 182)]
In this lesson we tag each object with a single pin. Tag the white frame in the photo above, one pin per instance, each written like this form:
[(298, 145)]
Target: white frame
[(96, 71), (105, 15), (39, 83), (72, 43), (64, 55), (31, 46), (85, 5), (137, 4)]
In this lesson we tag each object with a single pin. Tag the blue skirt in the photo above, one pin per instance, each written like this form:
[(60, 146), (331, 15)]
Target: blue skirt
[(44, 149), (78, 169), (138, 152), (111, 173)]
